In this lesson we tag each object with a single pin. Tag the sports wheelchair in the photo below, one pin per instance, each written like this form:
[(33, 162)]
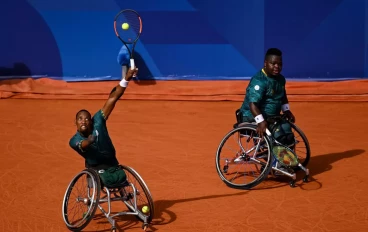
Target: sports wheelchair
[(244, 160), (86, 193)]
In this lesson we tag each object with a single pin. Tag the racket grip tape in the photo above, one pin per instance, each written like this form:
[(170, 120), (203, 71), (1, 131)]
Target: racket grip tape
[(132, 64), (124, 71)]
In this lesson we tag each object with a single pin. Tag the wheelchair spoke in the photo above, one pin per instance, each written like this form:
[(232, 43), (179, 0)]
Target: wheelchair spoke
[(244, 160), (239, 158), (80, 199)]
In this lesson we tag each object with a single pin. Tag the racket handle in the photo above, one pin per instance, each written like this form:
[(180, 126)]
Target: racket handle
[(124, 71), (132, 64), (268, 132)]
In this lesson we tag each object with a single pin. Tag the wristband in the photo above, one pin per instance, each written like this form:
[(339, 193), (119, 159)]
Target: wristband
[(285, 107), (124, 83), (259, 118), (80, 146)]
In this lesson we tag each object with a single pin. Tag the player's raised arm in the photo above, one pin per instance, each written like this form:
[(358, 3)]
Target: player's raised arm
[(118, 91)]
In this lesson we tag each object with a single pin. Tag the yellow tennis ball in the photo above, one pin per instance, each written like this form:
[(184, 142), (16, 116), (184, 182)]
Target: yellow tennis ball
[(145, 209), (125, 26)]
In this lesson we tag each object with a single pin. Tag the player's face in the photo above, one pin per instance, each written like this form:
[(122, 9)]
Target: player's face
[(84, 122), (273, 65)]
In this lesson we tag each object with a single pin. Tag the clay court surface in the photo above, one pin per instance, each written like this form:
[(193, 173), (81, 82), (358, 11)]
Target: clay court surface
[(172, 144)]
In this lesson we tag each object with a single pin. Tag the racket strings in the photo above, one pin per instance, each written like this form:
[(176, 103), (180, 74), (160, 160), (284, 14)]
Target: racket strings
[(134, 29), (285, 156)]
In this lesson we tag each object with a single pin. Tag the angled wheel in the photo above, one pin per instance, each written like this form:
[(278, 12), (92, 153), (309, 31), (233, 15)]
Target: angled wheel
[(81, 199), (243, 160), (144, 201), (301, 146)]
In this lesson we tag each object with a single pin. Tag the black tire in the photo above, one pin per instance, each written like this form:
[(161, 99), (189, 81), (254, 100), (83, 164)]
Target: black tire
[(306, 142), (134, 178), (266, 167), (92, 203)]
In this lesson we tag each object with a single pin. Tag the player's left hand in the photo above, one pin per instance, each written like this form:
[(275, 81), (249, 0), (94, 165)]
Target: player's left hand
[(290, 116), (131, 73), (91, 138)]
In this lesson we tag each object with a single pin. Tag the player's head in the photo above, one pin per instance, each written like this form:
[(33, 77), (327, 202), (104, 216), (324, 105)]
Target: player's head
[(273, 62), (83, 121)]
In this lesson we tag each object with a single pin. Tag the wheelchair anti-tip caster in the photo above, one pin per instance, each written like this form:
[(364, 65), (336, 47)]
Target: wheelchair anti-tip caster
[(113, 229), (226, 167), (144, 226), (305, 179), (292, 183)]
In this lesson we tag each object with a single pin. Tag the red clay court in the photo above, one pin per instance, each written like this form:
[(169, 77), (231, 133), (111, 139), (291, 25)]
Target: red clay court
[(172, 144)]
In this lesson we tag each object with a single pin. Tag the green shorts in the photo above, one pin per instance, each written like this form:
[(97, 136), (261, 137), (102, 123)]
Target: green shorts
[(112, 176), (282, 131)]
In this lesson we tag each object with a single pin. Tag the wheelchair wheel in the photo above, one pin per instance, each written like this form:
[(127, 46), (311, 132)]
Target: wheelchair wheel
[(243, 160), (81, 200), (301, 147), (144, 197)]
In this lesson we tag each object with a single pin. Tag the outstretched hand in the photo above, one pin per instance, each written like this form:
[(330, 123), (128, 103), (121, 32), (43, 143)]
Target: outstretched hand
[(91, 138)]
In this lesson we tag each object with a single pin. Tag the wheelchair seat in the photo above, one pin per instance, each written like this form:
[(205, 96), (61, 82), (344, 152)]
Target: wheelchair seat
[(239, 120), (240, 124)]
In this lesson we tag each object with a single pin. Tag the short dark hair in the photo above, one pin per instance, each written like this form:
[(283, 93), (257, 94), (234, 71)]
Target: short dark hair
[(273, 52), (82, 110)]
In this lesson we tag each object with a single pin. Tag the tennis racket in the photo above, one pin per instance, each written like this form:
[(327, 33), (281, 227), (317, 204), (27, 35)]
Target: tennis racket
[(283, 154), (128, 28)]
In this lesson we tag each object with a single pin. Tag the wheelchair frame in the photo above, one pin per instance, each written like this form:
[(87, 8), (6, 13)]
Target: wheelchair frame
[(94, 201), (270, 166)]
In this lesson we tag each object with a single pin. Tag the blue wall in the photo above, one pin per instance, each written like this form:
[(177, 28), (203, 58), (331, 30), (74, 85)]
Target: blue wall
[(185, 39)]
